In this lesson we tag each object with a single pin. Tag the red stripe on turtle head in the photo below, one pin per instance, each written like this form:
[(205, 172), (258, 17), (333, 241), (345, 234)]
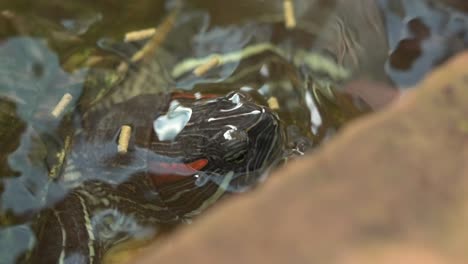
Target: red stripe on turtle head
[(166, 172), (193, 96)]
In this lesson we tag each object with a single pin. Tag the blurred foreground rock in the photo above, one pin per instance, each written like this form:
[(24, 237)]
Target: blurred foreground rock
[(391, 188)]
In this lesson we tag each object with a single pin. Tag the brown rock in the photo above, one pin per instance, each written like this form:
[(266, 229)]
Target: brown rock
[(391, 188)]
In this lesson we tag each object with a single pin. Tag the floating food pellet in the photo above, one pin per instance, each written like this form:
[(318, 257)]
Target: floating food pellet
[(289, 17), (93, 60), (60, 107), (8, 14), (205, 67), (139, 35), (122, 68), (273, 103), (124, 139), (151, 46)]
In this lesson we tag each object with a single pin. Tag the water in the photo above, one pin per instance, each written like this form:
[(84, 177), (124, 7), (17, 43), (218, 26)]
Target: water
[(421, 35), (311, 77)]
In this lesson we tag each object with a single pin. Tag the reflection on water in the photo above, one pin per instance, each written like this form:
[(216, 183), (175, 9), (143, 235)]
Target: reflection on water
[(271, 95), (34, 81), (168, 126), (421, 34)]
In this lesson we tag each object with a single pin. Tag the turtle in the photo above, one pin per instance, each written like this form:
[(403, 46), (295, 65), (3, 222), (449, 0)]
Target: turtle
[(185, 152)]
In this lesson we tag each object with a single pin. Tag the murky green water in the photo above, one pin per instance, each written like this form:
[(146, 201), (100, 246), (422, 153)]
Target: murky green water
[(311, 78)]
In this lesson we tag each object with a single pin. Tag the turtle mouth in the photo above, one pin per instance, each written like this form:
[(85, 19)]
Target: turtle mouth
[(163, 172)]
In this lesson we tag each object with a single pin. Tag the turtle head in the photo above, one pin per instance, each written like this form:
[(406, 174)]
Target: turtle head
[(229, 140)]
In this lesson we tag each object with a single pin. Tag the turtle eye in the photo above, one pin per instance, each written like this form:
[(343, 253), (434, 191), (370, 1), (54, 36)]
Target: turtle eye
[(235, 145), (236, 156), (235, 97), (232, 102)]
